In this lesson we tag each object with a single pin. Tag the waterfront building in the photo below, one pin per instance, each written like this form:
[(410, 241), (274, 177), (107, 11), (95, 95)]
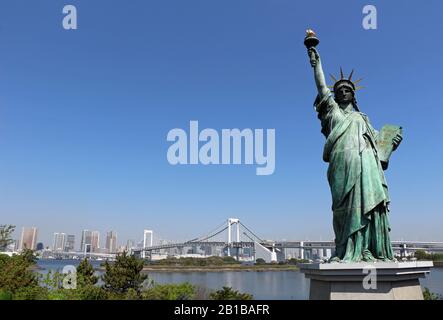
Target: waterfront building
[(130, 244), (59, 241), (95, 241), (111, 242), (70, 242), (86, 241), (29, 238)]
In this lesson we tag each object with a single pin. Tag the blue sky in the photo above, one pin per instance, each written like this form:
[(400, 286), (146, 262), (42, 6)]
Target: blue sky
[(84, 114)]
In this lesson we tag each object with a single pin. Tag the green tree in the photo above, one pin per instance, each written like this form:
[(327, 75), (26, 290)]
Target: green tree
[(85, 274), (227, 293), (5, 236), (4, 295), (428, 295), (422, 255), (124, 274), (260, 261), (90, 292), (230, 260), (184, 291), (17, 278), (15, 272)]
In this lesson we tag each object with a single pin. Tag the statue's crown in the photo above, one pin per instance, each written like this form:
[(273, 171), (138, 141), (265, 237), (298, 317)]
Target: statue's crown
[(343, 81)]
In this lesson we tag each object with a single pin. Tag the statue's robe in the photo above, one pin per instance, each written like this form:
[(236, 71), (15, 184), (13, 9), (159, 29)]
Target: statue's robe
[(359, 191)]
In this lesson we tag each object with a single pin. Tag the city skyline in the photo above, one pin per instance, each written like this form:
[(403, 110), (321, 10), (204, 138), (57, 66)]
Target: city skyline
[(144, 236), (85, 117)]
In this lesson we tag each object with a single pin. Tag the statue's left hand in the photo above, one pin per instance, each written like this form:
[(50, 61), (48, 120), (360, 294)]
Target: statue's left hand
[(397, 140)]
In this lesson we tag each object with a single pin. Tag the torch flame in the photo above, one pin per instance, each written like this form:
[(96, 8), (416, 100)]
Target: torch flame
[(310, 33)]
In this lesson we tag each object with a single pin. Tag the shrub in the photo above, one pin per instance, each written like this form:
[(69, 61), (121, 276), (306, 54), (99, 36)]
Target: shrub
[(184, 291), (428, 295), (227, 293), (91, 292)]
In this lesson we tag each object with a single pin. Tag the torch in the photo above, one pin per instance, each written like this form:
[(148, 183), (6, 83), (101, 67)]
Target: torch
[(311, 41)]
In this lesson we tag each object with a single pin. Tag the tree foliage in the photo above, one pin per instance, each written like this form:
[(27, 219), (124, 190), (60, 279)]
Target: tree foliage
[(227, 293), (184, 291), (16, 273), (197, 262), (85, 274), (124, 274), (428, 295), (423, 255), (5, 236)]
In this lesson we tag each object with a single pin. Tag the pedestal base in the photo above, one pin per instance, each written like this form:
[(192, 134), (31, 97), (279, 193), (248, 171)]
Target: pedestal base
[(366, 281)]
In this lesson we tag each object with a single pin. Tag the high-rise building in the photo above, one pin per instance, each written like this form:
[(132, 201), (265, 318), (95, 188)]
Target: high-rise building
[(59, 242), (86, 243), (28, 239), (70, 243), (95, 241), (130, 244), (111, 242)]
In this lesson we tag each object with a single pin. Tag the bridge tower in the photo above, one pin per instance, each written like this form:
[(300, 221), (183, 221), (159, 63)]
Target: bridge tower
[(232, 221), (148, 236)]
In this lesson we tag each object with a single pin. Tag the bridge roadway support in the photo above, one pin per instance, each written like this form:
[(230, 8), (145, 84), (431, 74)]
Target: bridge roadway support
[(366, 281), (264, 253)]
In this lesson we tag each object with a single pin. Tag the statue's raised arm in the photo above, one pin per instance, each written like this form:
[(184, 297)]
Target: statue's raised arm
[(311, 41)]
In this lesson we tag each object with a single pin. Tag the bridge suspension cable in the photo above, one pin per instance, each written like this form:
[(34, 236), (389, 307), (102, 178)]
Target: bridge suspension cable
[(260, 240), (210, 236), (207, 236)]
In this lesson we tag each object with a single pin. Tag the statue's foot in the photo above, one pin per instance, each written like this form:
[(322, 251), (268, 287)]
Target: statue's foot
[(368, 257), (389, 260), (334, 259)]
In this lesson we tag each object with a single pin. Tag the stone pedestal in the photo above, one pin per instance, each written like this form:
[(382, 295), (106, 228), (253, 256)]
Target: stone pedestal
[(366, 281)]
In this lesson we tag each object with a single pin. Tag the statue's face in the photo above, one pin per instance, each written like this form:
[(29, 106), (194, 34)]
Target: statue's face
[(344, 95)]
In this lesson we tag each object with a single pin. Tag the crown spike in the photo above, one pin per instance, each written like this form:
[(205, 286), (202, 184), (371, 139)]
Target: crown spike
[(333, 78), (341, 74), (355, 82), (358, 88), (350, 76)]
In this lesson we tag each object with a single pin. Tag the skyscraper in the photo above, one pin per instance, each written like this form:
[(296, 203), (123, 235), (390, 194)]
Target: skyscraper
[(130, 244), (29, 238), (95, 241), (111, 242), (86, 242), (59, 242), (70, 243)]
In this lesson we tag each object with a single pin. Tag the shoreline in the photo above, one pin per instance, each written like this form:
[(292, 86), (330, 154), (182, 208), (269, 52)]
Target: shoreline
[(168, 269), (217, 269)]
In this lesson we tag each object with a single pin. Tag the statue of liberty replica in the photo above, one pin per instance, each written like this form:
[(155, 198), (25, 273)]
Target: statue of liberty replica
[(357, 155)]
